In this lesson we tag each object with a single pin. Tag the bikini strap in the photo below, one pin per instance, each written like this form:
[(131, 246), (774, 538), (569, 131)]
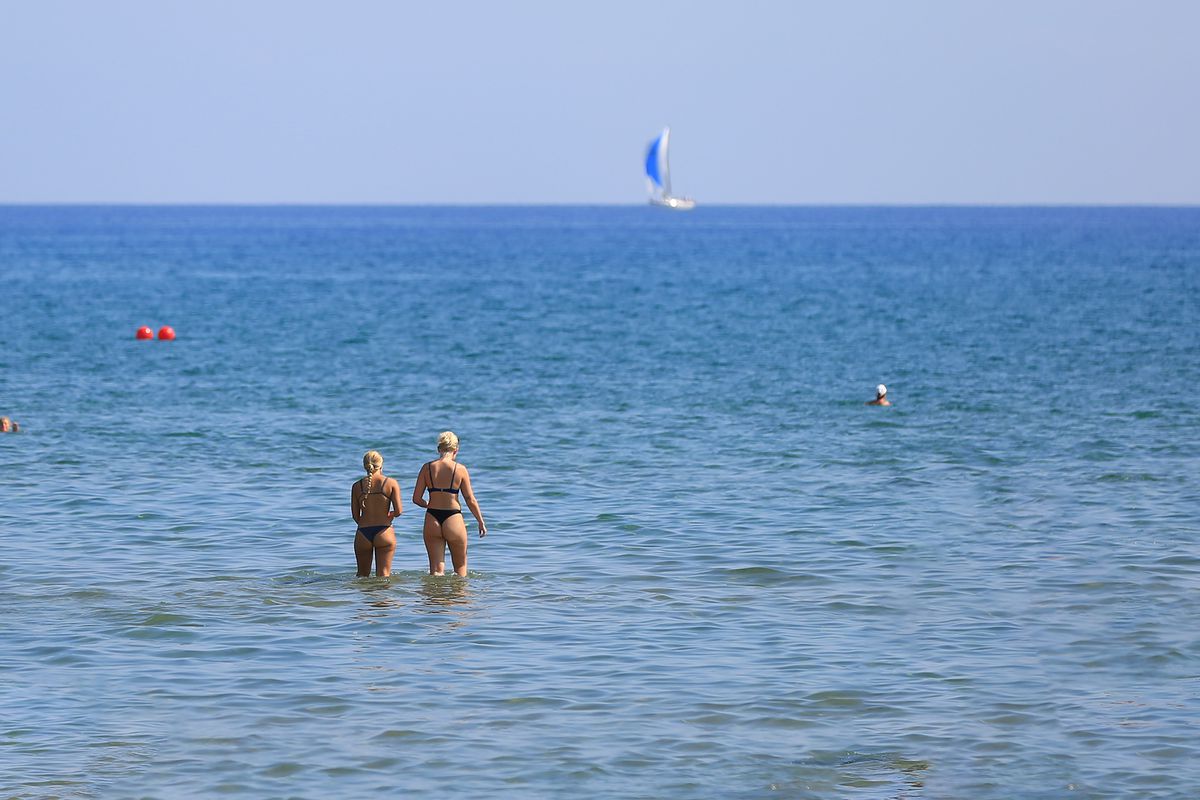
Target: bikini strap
[(429, 466), (452, 474)]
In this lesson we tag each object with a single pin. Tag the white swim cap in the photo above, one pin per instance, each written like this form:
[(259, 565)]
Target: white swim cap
[(881, 390)]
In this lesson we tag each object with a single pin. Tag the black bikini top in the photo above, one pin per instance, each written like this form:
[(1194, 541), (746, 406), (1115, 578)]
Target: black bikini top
[(448, 490)]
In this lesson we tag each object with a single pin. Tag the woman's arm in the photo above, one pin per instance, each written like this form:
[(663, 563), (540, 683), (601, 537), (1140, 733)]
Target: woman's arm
[(354, 504), (397, 505), (469, 497), (419, 489)]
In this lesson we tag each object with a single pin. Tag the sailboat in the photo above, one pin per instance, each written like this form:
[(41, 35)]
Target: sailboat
[(658, 176)]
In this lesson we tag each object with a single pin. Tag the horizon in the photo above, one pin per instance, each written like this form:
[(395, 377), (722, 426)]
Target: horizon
[(665, 212)]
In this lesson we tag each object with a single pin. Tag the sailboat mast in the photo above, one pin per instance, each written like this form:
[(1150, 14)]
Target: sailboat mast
[(666, 162)]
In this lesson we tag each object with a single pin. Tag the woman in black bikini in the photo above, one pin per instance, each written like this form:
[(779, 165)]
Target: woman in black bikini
[(444, 523), (374, 502)]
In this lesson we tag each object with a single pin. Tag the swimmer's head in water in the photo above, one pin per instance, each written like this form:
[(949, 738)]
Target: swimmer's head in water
[(447, 442), (880, 390), (5, 424)]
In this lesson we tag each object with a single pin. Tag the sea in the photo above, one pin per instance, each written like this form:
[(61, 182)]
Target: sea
[(711, 570)]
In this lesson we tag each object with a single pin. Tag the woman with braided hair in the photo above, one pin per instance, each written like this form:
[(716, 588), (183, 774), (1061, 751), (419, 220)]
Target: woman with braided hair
[(374, 503)]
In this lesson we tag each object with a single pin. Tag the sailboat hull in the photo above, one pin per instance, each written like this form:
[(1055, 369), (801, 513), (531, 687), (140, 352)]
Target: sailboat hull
[(675, 203)]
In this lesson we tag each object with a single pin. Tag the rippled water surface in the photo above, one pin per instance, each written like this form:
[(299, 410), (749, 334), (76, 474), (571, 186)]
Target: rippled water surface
[(712, 572)]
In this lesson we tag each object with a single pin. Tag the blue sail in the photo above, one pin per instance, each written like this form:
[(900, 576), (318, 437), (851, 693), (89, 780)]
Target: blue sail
[(653, 162)]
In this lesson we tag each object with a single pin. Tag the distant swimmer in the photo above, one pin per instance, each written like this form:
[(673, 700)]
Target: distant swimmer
[(444, 523), (880, 397), (8, 426), (374, 502)]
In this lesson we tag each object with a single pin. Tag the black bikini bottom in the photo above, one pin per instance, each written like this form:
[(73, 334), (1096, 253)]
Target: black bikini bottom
[(371, 531), (442, 514)]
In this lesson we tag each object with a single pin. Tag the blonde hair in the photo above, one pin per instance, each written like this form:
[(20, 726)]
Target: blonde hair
[(447, 442), (372, 463)]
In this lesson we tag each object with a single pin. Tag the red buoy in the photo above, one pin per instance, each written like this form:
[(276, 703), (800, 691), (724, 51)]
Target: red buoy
[(144, 332), (166, 333)]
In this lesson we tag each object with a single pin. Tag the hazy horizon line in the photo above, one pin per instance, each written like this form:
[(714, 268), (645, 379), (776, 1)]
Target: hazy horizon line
[(598, 204)]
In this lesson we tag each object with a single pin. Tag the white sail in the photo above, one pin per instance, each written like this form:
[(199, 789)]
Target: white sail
[(658, 174)]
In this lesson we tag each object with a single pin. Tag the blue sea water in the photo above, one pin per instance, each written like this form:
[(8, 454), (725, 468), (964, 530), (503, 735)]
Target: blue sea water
[(711, 571)]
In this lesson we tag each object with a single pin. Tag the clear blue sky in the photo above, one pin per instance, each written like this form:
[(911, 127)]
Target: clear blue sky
[(1021, 101)]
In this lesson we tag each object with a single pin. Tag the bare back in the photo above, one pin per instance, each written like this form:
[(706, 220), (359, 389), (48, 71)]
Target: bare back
[(382, 496), (444, 480)]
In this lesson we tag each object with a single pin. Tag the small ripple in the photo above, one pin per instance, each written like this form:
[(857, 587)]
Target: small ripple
[(1126, 477)]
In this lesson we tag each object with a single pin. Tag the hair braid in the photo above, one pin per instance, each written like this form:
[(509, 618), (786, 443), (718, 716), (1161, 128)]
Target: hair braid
[(372, 463)]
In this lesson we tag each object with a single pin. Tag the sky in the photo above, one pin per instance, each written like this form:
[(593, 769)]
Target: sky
[(462, 102)]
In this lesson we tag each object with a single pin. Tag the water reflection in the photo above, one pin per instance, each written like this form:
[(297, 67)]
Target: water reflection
[(439, 591), (433, 594), (447, 594), (380, 596), (895, 777)]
